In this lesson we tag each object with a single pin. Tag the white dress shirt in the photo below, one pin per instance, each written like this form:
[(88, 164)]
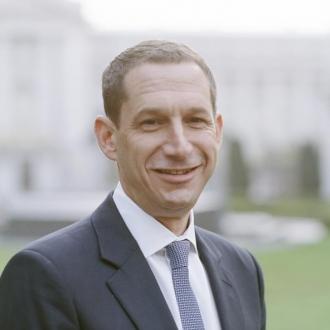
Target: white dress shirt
[(152, 238)]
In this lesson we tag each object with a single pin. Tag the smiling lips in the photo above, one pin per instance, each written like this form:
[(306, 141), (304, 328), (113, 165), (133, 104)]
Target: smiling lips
[(176, 171)]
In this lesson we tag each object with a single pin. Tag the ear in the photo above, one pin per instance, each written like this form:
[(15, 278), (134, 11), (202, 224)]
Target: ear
[(105, 131), (218, 127)]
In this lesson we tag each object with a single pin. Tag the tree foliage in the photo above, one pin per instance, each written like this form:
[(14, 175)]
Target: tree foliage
[(238, 169), (309, 170)]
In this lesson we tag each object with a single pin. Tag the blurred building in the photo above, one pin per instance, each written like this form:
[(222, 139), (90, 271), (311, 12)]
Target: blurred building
[(274, 92)]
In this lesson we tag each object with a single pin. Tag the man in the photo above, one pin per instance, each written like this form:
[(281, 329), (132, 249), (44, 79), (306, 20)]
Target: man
[(138, 262)]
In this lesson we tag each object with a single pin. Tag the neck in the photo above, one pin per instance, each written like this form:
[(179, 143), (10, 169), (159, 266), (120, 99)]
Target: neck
[(176, 221), (176, 225)]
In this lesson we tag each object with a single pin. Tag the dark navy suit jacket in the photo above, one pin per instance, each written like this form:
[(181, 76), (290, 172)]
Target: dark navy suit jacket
[(93, 276)]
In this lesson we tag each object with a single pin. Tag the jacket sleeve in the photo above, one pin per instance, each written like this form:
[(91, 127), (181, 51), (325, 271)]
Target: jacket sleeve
[(261, 294), (34, 296)]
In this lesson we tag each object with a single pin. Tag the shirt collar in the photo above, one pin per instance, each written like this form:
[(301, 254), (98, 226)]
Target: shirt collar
[(149, 233)]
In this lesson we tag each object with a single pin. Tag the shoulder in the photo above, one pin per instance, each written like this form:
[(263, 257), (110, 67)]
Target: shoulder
[(65, 242), (232, 254), (73, 241), (237, 267), (43, 275), (59, 252), (52, 264), (218, 242)]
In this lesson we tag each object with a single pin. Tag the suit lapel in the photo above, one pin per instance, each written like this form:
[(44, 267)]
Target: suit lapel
[(225, 294), (131, 281)]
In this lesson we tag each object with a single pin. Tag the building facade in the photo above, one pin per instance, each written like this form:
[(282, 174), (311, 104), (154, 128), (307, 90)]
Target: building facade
[(274, 93)]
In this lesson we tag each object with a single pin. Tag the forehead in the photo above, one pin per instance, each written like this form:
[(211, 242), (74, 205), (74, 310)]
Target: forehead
[(153, 78)]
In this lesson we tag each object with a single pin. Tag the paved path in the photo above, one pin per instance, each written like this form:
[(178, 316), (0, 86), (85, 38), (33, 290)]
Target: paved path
[(262, 230)]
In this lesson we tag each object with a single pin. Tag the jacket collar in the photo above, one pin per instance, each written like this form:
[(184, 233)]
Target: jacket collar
[(131, 280), (223, 288)]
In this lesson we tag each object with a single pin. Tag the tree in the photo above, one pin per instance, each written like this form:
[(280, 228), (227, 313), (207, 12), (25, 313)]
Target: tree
[(238, 169), (309, 170)]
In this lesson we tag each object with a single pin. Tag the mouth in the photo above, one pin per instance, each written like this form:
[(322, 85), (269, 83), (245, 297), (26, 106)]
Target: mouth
[(176, 175), (176, 171)]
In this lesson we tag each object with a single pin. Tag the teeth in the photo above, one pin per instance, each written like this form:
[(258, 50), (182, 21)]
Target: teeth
[(175, 172)]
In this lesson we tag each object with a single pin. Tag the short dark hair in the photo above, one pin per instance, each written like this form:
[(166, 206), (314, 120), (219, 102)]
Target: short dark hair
[(151, 51)]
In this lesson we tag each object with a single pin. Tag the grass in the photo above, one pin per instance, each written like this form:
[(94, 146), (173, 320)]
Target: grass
[(5, 254), (297, 287), (297, 279), (297, 207)]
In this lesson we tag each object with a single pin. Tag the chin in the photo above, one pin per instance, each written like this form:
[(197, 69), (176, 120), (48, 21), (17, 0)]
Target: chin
[(178, 200)]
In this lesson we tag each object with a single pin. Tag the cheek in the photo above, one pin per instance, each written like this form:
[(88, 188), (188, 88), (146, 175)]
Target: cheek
[(207, 143), (145, 147), (136, 152), (127, 155)]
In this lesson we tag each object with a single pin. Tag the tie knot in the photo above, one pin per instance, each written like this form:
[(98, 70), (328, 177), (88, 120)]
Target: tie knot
[(178, 252)]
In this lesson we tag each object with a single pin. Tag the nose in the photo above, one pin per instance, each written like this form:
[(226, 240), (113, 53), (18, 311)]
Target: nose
[(177, 143)]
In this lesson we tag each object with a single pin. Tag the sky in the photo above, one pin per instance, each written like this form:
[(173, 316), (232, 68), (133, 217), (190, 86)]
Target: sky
[(229, 16)]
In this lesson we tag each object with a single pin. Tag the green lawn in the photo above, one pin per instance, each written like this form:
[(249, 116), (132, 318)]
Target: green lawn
[(297, 279), (5, 254), (298, 287)]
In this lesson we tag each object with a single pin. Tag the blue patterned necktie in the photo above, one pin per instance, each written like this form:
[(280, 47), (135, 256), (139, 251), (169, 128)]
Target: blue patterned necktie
[(191, 318)]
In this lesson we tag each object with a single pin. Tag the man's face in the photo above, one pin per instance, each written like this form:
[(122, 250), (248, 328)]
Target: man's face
[(167, 140)]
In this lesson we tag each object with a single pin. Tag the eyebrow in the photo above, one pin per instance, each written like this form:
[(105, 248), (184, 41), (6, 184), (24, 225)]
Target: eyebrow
[(147, 111), (151, 111)]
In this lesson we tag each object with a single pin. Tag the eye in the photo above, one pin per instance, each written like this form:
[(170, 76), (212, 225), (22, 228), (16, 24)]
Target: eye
[(150, 124), (197, 122)]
